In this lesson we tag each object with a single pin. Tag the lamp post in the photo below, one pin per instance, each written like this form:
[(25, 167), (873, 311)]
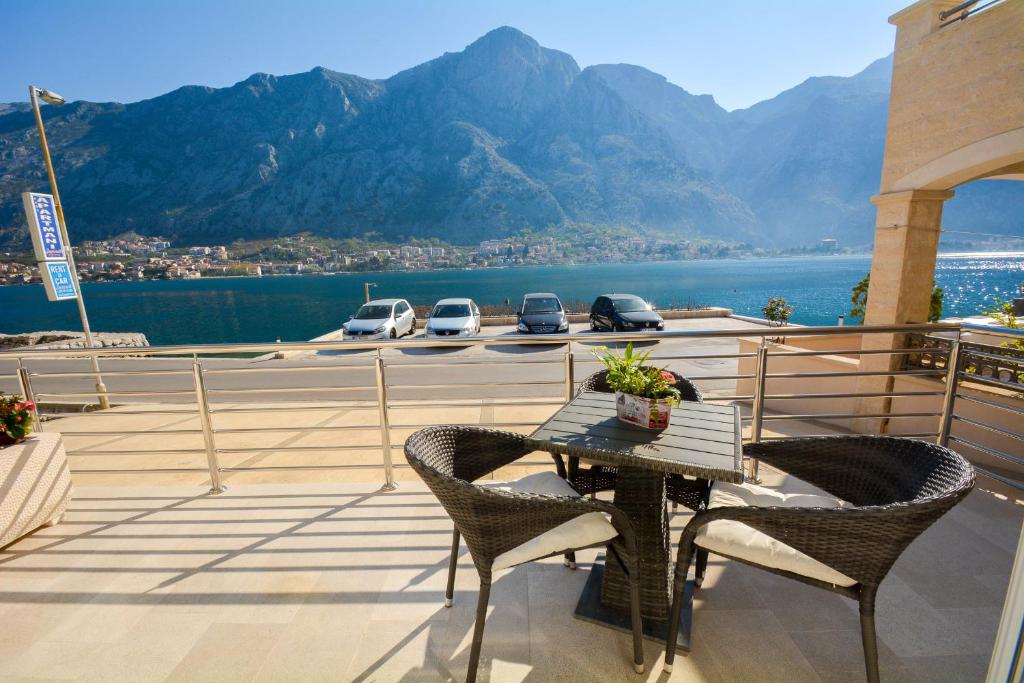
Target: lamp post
[(366, 289), (50, 97)]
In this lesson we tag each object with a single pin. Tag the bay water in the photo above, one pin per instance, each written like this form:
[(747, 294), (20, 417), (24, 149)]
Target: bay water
[(301, 307)]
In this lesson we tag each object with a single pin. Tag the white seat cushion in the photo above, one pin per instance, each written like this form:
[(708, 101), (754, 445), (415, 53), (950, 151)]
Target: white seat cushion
[(735, 539), (587, 529)]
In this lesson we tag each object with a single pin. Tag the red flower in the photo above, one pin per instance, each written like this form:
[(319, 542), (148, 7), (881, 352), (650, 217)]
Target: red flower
[(668, 377)]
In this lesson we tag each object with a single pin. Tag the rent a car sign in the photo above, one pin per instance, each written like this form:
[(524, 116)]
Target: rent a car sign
[(58, 281)]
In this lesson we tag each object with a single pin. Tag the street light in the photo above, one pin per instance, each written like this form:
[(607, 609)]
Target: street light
[(366, 289), (35, 94), (49, 96)]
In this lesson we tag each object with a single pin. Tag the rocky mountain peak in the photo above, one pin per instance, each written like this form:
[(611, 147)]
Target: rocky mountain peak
[(504, 135)]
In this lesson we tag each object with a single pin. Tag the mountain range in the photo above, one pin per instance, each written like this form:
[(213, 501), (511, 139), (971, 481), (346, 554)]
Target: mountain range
[(502, 136)]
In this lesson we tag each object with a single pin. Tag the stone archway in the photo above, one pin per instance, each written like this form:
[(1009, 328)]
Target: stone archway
[(998, 156), (956, 114)]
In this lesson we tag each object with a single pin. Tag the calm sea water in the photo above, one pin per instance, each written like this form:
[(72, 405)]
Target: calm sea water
[(301, 307)]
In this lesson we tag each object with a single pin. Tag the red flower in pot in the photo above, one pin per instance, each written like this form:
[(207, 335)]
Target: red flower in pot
[(16, 419), (644, 395)]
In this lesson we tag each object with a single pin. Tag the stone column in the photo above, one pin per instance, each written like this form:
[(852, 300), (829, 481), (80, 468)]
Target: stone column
[(902, 276)]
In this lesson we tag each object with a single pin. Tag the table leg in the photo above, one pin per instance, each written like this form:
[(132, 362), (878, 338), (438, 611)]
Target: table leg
[(605, 598), (640, 494)]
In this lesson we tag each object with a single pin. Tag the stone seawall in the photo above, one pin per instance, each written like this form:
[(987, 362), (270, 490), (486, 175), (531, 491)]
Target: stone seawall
[(70, 340)]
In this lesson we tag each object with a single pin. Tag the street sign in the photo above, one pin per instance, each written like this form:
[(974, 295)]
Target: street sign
[(58, 280), (41, 214)]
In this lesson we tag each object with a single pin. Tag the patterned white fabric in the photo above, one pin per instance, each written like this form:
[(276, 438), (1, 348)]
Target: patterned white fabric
[(588, 529), (735, 539)]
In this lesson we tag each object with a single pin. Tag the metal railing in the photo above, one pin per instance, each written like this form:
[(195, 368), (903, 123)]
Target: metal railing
[(200, 391), (1004, 363), (964, 10), (1001, 403)]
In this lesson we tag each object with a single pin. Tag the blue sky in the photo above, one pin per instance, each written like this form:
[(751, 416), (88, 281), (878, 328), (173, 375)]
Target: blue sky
[(740, 51)]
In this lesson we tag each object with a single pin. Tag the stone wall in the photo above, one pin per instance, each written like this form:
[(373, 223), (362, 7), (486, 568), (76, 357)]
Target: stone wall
[(70, 340), (952, 87)]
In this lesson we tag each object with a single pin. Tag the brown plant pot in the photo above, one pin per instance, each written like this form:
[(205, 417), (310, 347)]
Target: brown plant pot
[(6, 440)]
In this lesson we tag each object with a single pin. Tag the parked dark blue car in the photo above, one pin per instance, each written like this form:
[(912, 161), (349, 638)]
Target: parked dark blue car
[(623, 313), (542, 313)]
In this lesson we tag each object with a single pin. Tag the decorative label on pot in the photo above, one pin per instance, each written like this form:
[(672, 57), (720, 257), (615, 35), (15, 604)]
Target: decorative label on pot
[(649, 413)]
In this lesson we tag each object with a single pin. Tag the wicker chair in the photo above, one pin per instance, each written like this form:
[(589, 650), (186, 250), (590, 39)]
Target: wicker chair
[(497, 521), (886, 491)]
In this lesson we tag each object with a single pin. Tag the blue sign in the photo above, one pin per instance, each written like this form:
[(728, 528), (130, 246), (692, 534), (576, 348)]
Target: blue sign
[(58, 280), (41, 213)]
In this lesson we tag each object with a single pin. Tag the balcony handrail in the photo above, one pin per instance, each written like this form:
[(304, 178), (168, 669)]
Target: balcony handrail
[(388, 380), (963, 11)]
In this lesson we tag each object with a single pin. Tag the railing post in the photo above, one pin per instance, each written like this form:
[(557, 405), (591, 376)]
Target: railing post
[(570, 381), (25, 387), (949, 399), (385, 424), (203, 403), (757, 412)]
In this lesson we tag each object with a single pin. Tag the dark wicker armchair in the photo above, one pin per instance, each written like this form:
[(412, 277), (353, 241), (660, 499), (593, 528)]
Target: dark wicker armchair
[(496, 521), (688, 492), (886, 491)]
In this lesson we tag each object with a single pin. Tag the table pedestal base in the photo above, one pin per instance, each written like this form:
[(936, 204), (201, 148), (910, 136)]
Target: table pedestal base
[(590, 608)]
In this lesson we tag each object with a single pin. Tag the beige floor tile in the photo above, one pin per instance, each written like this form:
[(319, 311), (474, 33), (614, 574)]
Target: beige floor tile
[(312, 651), (150, 581), (949, 668), (50, 659), (749, 645), (402, 651), (228, 652), (838, 653), (799, 607), (727, 585), (150, 651), (910, 626)]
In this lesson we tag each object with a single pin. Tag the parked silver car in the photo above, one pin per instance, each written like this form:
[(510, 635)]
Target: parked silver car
[(381, 319), (454, 318)]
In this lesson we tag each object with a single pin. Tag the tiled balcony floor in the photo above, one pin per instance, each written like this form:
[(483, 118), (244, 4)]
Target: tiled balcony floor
[(341, 582)]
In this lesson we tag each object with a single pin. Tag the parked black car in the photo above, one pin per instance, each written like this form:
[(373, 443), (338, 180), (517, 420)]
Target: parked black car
[(623, 313), (542, 313)]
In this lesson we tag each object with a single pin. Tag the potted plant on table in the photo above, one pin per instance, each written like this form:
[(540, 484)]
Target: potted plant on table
[(15, 419), (644, 395)]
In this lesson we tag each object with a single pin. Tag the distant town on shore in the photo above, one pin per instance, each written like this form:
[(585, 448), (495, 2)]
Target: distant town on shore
[(135, 257)]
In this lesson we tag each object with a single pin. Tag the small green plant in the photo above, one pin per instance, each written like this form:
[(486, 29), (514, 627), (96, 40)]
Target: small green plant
[(628, 374), (15, 417), (859, 301), (777, 311), (1002, 313)]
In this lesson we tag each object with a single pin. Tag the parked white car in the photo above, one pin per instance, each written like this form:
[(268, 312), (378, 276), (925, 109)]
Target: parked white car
[(454, 318), (381, 319)]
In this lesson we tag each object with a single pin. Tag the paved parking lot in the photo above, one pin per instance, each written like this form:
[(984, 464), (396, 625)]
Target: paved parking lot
[(484, 371)]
